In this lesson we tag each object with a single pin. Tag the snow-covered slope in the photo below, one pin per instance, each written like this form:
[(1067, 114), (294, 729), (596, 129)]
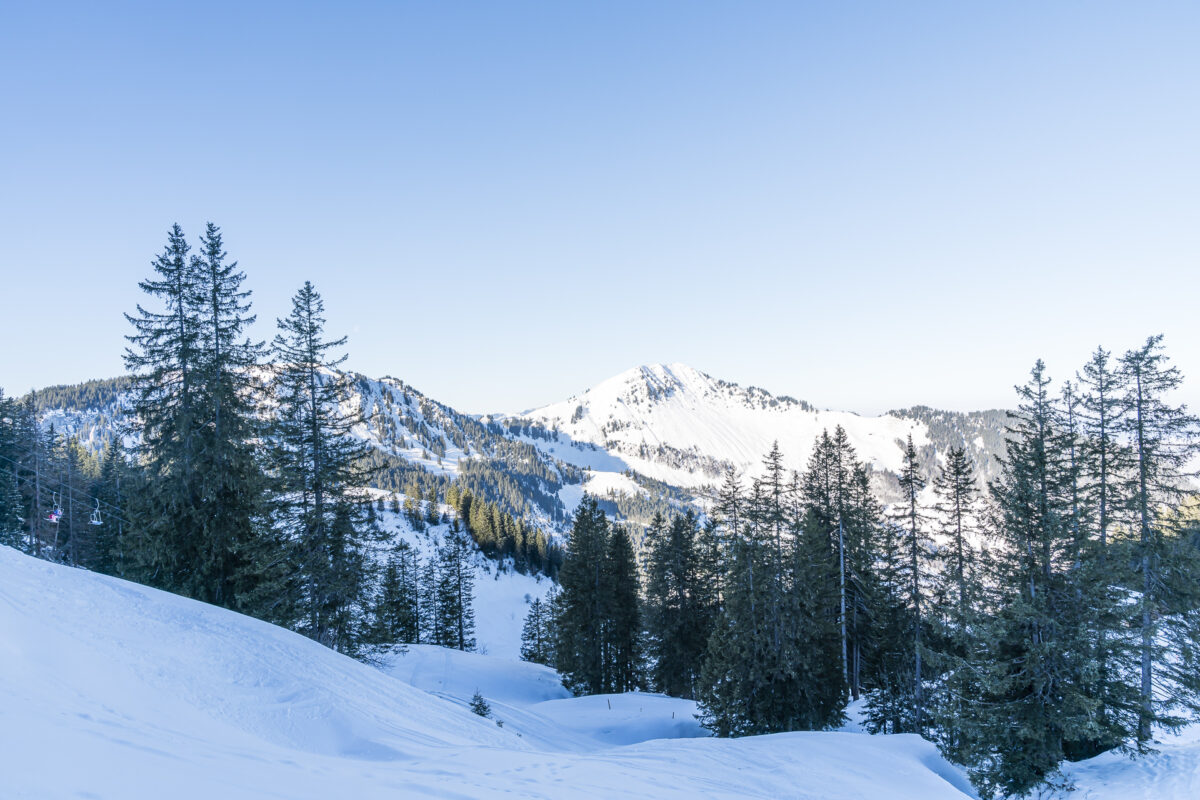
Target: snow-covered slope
[(113, 690)]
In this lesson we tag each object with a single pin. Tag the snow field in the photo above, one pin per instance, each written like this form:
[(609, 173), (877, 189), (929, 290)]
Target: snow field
[(113, 690)]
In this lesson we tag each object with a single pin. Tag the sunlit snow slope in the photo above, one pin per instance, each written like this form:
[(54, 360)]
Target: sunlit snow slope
[(112, 690), (676, 424)]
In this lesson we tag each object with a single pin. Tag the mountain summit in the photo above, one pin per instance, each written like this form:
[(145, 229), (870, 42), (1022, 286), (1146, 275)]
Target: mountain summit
[(681, 426)]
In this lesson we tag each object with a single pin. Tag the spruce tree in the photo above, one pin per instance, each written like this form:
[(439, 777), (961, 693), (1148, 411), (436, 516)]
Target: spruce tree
[(163, 360), (201, 509), (1163, 443), (677, 616), (958, 598), (907, 564), (621, 615), (110, 489), (230, 470), (395, 613), (773, 658), (1034, 704), (836, 490), (319, 467), (735, 690), (430, 629), (1105, 463), (479, 705), (455, 594), (579, 648), (537, 633), (12, 504)]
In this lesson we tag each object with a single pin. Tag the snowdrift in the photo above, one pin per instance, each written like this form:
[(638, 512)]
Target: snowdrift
[(113, 690)]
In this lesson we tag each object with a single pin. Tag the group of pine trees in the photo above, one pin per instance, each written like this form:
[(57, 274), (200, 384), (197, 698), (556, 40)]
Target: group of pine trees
[(243, 486), (430, 601), (1086, 618), (596, 622), (1049, 616), (502, 536)]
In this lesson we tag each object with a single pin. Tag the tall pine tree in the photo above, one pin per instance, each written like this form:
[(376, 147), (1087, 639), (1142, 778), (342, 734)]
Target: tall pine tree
[(319, 465), (1163, 443)]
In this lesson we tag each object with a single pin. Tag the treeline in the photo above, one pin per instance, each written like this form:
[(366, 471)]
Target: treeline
[(1050, 618), (498, 533), (501, 535), (516, 495), (98, 394)]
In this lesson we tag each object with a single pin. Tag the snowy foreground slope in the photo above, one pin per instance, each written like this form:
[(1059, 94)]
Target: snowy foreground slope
[(113, 690)]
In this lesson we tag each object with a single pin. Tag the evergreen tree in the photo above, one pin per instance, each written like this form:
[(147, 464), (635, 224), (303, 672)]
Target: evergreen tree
[(230, 471), (430, 629), (537, 634), (163, 358), (29, 458), (431, 511), (479, 705), (455, 624), (396, 617), (1034, 704), (677, 614), (957, 601), (73, 542), (1163, 441), (319, 468), (773, 658), (836, 489), (735, 679), (579, 649), (621, 616), (108, 488), (12, 504), (1105, 462), (202, 506), (898, 704)]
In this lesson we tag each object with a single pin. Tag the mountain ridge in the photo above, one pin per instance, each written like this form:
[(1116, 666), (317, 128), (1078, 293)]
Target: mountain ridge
[(652, 438)]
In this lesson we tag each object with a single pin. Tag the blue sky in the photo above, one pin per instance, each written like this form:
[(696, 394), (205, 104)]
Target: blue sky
[(864, 205)]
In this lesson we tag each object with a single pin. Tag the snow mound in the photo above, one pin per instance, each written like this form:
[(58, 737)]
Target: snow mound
[(616, 719), (113, 690), (459, 675)]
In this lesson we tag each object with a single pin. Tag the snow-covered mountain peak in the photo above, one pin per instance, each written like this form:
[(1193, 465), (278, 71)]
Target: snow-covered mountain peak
[(678, 382), (650, 382), (676, 424)]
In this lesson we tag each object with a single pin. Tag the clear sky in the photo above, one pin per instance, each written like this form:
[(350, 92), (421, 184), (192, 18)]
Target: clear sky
[(865, 205)]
